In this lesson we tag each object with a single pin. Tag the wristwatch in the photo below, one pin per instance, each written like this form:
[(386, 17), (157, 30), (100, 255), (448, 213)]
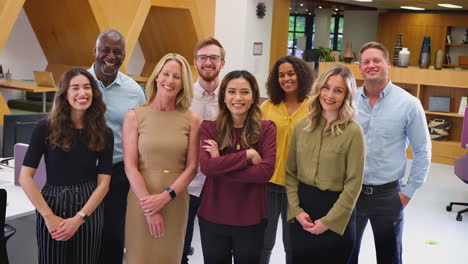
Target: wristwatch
[(171, 193), (83, 215)]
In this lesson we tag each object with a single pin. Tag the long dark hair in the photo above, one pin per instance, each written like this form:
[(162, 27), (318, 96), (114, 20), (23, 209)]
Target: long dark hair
[(304, 80), (94, 123), (253, 121)]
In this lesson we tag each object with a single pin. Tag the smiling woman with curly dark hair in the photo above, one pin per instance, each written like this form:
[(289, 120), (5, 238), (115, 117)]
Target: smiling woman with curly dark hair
[(304, 79), (77, 147), (288, 86)]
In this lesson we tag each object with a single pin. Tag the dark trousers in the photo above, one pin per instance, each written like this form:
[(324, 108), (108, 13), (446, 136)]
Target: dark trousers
[(115, 207), (328, 247), (384, 210), (193, 209), (83, 246), (222, 242), (277, 205)]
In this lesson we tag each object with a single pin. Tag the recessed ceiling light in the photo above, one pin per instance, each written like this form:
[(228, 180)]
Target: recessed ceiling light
[(320, 6), (362, 0), (310, 14), (412, 8), (301, 4), (336, 9), (450, 6), (307, 10)]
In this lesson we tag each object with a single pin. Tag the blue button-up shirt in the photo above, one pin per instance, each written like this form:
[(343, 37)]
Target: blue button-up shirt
[(397, 119), (120, 96)]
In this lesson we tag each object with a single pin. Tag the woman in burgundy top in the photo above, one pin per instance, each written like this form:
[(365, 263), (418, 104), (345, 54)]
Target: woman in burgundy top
[(237, 155)]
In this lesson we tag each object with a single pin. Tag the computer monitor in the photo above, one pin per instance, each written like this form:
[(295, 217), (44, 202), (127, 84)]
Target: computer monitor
[(18, 128)]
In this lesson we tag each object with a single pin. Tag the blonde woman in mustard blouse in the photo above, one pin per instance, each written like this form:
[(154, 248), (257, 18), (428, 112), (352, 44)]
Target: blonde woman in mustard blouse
[(324, 172), (288, 86)]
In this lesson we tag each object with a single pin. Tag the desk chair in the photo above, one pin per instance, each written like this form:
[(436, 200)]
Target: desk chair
[(8, 229), (461, 167)]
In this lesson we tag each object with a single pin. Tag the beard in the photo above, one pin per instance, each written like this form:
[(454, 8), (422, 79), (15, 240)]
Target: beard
[(210, 76)]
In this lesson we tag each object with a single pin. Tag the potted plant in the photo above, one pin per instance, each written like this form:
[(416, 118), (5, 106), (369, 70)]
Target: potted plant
[(324, 54)]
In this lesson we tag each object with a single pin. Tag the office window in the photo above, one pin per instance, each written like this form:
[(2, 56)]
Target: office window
[(336, 32), (297, 28)]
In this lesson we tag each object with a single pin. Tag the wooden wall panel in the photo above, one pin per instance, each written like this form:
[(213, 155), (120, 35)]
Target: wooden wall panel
[(4, 109), (185, 4), (203, 15), (413, 28), (279, 30), (9, 10), (66, 30), (167, 30), (162, 32)]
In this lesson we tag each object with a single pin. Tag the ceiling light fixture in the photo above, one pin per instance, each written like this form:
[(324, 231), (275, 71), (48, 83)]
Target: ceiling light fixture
[(412, 8), (320, 6), (307, 10), (301, 4), (450, 6), (310, 14)]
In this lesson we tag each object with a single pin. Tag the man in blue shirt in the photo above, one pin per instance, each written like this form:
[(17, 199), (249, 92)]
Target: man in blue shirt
[(391, 118), (120, 93)]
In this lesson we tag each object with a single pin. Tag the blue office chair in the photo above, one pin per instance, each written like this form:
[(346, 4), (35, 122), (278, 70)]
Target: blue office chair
[(8, 229)]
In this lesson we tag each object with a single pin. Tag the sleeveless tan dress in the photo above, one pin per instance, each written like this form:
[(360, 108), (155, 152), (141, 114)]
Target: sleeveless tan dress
[(162, 149)]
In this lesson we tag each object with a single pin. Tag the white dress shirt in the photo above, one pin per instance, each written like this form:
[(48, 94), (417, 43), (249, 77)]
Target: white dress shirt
[(206, 107)]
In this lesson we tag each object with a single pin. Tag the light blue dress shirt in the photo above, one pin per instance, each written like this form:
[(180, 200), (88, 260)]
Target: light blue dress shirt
[(397, 119), (120, 96)]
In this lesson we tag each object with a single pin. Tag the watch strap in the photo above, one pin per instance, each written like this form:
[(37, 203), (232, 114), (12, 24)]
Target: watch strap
[(171, 193)]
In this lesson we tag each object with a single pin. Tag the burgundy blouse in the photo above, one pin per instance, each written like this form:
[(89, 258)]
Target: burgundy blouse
[(234, 190)]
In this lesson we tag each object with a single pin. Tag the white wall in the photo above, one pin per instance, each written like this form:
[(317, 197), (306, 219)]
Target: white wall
[(359, 28), (136, 61), (22, 54), (237, 28)]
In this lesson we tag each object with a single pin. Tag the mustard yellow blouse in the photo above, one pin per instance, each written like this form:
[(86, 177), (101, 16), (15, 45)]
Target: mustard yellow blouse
[(284, 127)]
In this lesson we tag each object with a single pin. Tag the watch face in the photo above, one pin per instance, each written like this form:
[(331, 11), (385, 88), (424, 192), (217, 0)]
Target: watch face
[(83, 215)]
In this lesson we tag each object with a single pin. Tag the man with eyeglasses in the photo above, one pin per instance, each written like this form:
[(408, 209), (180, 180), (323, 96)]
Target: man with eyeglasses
[(208, 60)]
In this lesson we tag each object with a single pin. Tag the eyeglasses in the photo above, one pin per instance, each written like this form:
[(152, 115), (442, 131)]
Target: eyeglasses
[(213, 58)]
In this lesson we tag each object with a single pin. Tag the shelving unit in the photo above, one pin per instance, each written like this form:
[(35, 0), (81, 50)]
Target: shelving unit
[(423, 83), (457, 35)]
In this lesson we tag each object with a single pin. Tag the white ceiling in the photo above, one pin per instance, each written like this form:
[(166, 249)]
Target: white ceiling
[(395, 4), (388, 4)]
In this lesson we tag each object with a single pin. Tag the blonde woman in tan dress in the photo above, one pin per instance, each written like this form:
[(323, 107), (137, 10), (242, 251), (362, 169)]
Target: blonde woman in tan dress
[(160, 144)]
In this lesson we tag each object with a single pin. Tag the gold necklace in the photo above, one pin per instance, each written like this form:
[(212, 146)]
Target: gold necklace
[(238, 142)]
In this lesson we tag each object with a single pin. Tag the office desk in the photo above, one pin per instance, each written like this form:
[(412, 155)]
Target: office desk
[(18, 204), (28, 87)]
